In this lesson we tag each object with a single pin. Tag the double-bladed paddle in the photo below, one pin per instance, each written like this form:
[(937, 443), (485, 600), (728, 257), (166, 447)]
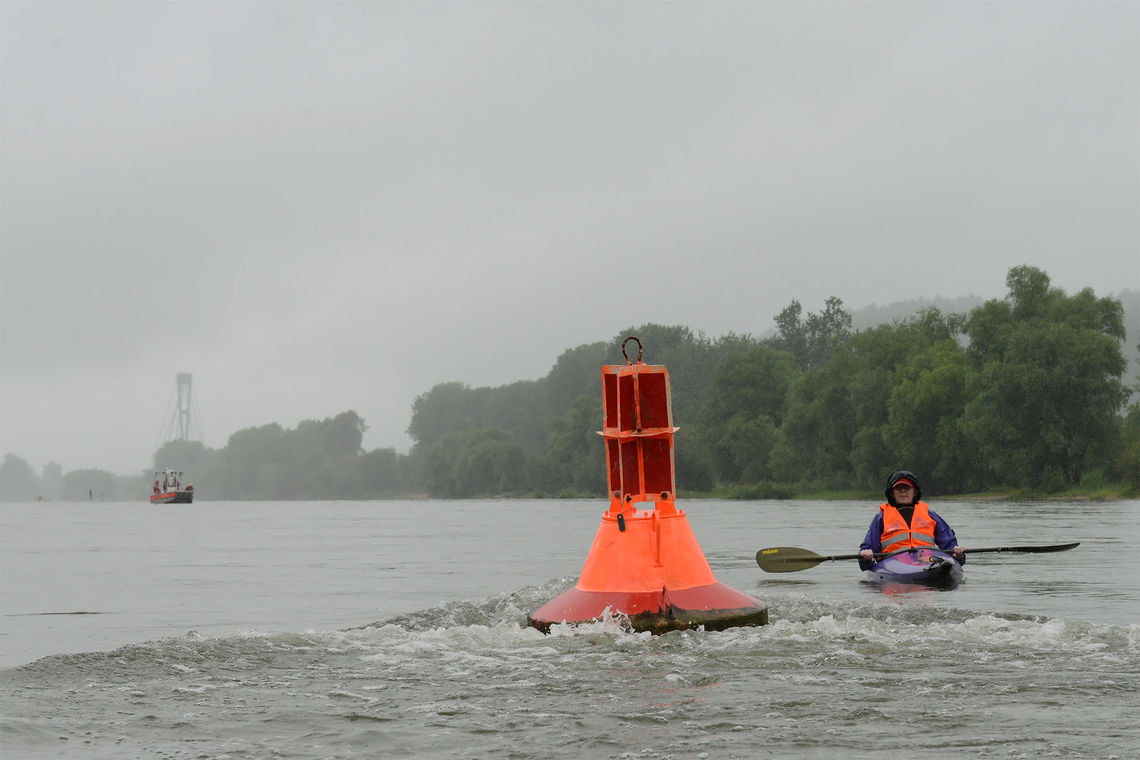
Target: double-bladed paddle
[(790, 559)]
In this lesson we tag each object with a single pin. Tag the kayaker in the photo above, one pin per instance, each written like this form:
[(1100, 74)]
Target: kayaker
[(904, 521)]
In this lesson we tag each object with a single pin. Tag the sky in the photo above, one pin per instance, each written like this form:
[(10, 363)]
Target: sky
[(315, 207)]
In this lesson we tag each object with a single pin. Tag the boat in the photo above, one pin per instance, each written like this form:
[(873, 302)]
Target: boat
[(921, 566), (168, 488)]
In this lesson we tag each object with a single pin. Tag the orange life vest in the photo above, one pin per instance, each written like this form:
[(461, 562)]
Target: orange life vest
[(898, 535)]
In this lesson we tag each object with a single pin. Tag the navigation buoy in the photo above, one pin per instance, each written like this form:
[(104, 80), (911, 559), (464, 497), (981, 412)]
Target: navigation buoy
[(645, 562)]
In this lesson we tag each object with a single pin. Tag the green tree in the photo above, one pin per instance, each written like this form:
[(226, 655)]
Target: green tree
[(18, 481), (745, 405), (881, 359), (576, 374), (576, 454), (1125, 465), (336, 478), (791, 333), (742, 450), (251, 464), (834, 433), (383, 473), (83, 485), (692, 466), (337, 436), (494, 465), (814, 443), (190, 457), (444, 408), (474, 462), (1048, 384), (924, 429), (812, 341)]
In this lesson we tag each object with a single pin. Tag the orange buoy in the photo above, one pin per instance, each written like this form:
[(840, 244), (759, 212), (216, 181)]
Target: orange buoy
[(645, 561)]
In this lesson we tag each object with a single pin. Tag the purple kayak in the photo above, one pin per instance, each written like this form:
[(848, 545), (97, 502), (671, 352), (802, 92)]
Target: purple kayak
[(927, 567)]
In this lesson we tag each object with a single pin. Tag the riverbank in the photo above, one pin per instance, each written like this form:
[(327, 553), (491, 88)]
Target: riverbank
[(746, 493)]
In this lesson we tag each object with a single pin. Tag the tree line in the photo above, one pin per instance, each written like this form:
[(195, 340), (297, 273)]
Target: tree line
[(1024, 393)]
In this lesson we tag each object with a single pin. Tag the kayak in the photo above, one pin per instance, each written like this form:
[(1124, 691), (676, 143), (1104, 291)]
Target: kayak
[(927, 567)]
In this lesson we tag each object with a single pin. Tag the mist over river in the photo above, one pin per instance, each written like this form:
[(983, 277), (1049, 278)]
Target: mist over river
[(397, 629)]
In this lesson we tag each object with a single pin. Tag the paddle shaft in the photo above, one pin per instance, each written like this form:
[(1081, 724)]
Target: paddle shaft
[(1027, 549), (790, 559), (986, 550)]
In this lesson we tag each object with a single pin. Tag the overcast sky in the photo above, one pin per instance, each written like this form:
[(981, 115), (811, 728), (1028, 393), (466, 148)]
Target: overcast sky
[(321, 206)]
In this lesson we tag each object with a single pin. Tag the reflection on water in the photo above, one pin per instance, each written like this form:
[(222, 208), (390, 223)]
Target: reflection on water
[(914, 591)]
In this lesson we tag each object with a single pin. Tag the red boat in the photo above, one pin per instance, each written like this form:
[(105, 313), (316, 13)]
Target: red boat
[(168, 489)]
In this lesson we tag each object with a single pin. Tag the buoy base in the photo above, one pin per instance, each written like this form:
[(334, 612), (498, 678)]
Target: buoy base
[(714, 606)]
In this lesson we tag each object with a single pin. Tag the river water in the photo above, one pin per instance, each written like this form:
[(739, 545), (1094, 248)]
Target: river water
[(397, 629)]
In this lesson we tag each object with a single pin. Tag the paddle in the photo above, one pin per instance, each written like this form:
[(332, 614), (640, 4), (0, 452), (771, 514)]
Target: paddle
[(1027, 549), (791, 559)]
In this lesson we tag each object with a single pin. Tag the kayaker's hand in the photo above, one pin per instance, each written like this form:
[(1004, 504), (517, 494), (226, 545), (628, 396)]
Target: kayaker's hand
[(866, 554), (959, 552)]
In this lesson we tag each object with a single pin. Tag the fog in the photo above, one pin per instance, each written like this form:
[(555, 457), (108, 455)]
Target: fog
[(316, 207)]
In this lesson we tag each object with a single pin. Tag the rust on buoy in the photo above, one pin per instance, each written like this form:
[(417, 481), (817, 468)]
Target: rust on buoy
[(645, 562)]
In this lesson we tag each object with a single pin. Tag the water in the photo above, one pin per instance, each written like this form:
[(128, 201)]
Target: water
[(396, 629)]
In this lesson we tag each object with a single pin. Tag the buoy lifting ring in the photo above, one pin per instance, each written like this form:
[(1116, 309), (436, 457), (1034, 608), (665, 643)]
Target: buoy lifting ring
[(623, 353)]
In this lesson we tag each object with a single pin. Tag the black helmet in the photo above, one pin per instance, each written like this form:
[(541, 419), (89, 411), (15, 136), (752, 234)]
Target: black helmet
[(895, 477)]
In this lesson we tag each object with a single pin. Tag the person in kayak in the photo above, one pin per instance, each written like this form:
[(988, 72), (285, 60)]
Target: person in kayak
[(904, 521)]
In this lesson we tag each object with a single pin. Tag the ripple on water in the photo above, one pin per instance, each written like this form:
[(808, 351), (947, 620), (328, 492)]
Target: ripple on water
[(472, 679)]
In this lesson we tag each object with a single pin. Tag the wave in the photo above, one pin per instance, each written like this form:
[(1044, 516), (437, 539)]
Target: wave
[(797, 621)]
